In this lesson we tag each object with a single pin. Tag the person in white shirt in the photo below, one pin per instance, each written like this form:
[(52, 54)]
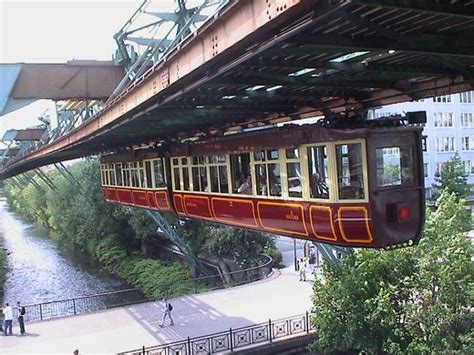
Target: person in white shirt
[(8, 312), (166, 312)]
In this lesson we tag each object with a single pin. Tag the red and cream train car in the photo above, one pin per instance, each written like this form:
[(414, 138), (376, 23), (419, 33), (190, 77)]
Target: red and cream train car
[(357, 188)]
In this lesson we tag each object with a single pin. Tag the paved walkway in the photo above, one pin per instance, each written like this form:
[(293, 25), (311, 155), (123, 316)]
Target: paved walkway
[(126, 328)]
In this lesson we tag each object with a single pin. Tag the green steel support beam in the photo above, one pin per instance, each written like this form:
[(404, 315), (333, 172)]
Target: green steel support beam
[(178, 241), (46, 179)]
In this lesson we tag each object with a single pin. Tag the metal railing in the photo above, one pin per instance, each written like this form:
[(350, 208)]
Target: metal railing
[(101, 301), (84, 304), (232, 339)]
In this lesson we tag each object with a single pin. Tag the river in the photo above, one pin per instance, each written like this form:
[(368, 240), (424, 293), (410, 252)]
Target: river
[(41, 269)]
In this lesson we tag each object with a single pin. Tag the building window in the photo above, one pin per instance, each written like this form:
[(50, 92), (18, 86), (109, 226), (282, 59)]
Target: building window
[(442, 98), (425, 168), (443, 119), (445, 144), (466, 97), (467, 143), (469, 167), (467, 119), (439, 167), (424, 143)]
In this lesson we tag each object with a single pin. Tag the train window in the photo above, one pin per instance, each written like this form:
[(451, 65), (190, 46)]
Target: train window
[(318, 172), (394, 166), (259, 156), (261, 180), (272, 154), (177, 180), (135, 175), (159, 173), (267, 174), (148, 174), (185, 172), (293, 169), (294, 179), (240, 173), (126, 174), (350, 171), (292, 153), (112, 175), (218, 173), (175, 161), (199, 174), (141, 174), (118, 174)]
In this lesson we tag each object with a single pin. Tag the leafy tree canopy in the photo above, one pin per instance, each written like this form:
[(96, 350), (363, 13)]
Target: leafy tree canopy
[(414, 300), (452, 178)]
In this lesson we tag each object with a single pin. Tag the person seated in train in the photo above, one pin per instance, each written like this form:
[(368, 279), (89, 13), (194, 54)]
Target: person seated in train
[(246, 187), (318, 185)]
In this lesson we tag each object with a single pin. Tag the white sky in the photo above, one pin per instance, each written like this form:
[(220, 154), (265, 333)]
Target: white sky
[(37, 31)]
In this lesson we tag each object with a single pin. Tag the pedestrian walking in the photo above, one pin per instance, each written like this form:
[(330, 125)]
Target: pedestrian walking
[(8, 312), (21, 317), (167, 308), (302, 267)]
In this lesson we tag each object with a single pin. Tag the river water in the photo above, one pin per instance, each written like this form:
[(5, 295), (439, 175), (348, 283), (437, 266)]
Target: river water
[(41, 269)]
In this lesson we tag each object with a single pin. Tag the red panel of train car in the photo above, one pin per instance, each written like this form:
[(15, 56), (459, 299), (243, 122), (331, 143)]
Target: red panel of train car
[(139, 197), (178, 203), (282, 217), (234, 211), (197, 206), (162, 200), (124, 196), (322, 223), (109, 194), (151, 200), (354, 224)]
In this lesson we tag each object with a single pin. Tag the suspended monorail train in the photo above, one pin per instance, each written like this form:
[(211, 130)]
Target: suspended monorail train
[(351, 187)]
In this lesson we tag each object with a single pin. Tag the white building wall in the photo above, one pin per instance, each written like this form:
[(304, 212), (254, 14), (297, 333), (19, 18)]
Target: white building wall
[(454, 105)]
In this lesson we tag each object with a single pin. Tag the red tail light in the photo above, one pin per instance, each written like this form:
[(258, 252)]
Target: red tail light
[(403, 213)]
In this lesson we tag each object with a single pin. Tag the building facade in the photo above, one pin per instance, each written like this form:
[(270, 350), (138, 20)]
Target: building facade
[(449, 129)]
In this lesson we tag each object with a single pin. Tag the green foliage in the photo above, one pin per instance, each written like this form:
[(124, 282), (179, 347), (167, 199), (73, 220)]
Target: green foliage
[(413, 300), (452, 178), (241, 245)]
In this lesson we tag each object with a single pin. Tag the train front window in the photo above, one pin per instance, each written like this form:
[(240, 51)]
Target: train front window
[(350, 172), (318, 172), (394, 166)]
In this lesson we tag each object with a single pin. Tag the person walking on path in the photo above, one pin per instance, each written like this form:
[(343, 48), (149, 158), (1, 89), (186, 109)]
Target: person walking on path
[(21, 315), (302, 267), (8, 311), (167, 308)]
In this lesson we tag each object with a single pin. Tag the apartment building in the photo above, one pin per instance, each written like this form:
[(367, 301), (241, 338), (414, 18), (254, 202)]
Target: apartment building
[(449, 128)]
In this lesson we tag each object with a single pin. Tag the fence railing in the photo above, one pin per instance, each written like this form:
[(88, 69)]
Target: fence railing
[(84, 304), (101, 301), (232, 339)]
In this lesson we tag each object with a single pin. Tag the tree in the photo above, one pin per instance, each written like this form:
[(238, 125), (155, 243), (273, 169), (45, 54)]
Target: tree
[(413, 300), (452, 177)]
